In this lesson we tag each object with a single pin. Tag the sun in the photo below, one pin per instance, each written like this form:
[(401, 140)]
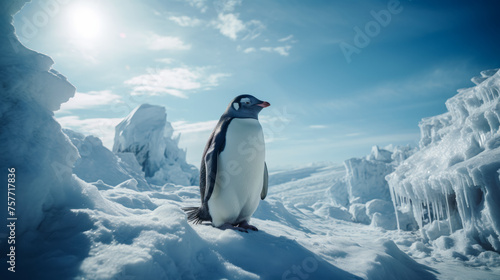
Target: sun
[(85, 22)]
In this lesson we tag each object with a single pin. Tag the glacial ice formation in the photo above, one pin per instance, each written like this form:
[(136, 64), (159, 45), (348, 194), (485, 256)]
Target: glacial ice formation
[(147, 134), (454, 177), (33, 144), (30, 91), (365, 192), (365, 177)]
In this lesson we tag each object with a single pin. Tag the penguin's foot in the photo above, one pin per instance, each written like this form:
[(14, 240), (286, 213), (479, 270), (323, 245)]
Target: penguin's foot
[(246, 225), (230, 226)]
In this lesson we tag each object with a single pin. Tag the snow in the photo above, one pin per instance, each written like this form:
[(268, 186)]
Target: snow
[(96, 162), (85, 212)]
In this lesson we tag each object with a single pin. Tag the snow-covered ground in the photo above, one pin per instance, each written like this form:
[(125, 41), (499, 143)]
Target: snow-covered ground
[(85, 212)]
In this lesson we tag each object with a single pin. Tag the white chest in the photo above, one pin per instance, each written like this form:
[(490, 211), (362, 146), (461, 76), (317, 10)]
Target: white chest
[(244, 153)]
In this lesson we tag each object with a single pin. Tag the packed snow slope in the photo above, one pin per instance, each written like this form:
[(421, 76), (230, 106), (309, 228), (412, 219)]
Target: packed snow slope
[(452, 183), (97, 163)]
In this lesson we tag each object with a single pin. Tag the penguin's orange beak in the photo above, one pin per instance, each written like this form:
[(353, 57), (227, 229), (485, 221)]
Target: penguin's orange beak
[(264, 104)]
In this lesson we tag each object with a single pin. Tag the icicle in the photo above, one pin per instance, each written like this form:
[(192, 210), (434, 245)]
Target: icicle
[(465, 206), (448, 209), (435, 210), (435, 207), (463, 186), (394, 203), (440, 209), (417, 210), (428, 209)]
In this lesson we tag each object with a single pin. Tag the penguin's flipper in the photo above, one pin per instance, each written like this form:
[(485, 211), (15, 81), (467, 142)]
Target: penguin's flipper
[(210, 172), (214, 147), (263, 193)]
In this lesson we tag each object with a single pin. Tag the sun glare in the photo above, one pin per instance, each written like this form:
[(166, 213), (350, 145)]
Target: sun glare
[(85, 23)]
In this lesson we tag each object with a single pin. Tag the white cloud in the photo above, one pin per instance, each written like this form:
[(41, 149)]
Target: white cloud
[(318, 126), (353, 134), (104, 128), (213, 79), (249, 50), (287, 38), (226, 6), (229, 25), (157, 42), (184, 127), (91, 99), (199, 4), (186, 21), (253, 29), (174, 81), (165, 60), (282, 50)]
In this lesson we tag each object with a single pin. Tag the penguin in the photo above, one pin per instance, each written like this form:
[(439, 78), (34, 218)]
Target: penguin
[(233, 171)]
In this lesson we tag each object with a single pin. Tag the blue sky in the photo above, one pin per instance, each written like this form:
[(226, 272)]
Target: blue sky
[(330, 102)]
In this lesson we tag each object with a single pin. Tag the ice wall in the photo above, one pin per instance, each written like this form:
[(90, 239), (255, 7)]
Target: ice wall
[(366, 176), (32, 141), (455, 175), (46, 191), (147, 134), (367, 189)]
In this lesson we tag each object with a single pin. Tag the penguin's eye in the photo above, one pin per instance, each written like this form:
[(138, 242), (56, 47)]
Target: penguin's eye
[(245, 101)]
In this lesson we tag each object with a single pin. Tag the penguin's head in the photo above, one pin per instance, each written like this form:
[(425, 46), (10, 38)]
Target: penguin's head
[(246, 106)]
